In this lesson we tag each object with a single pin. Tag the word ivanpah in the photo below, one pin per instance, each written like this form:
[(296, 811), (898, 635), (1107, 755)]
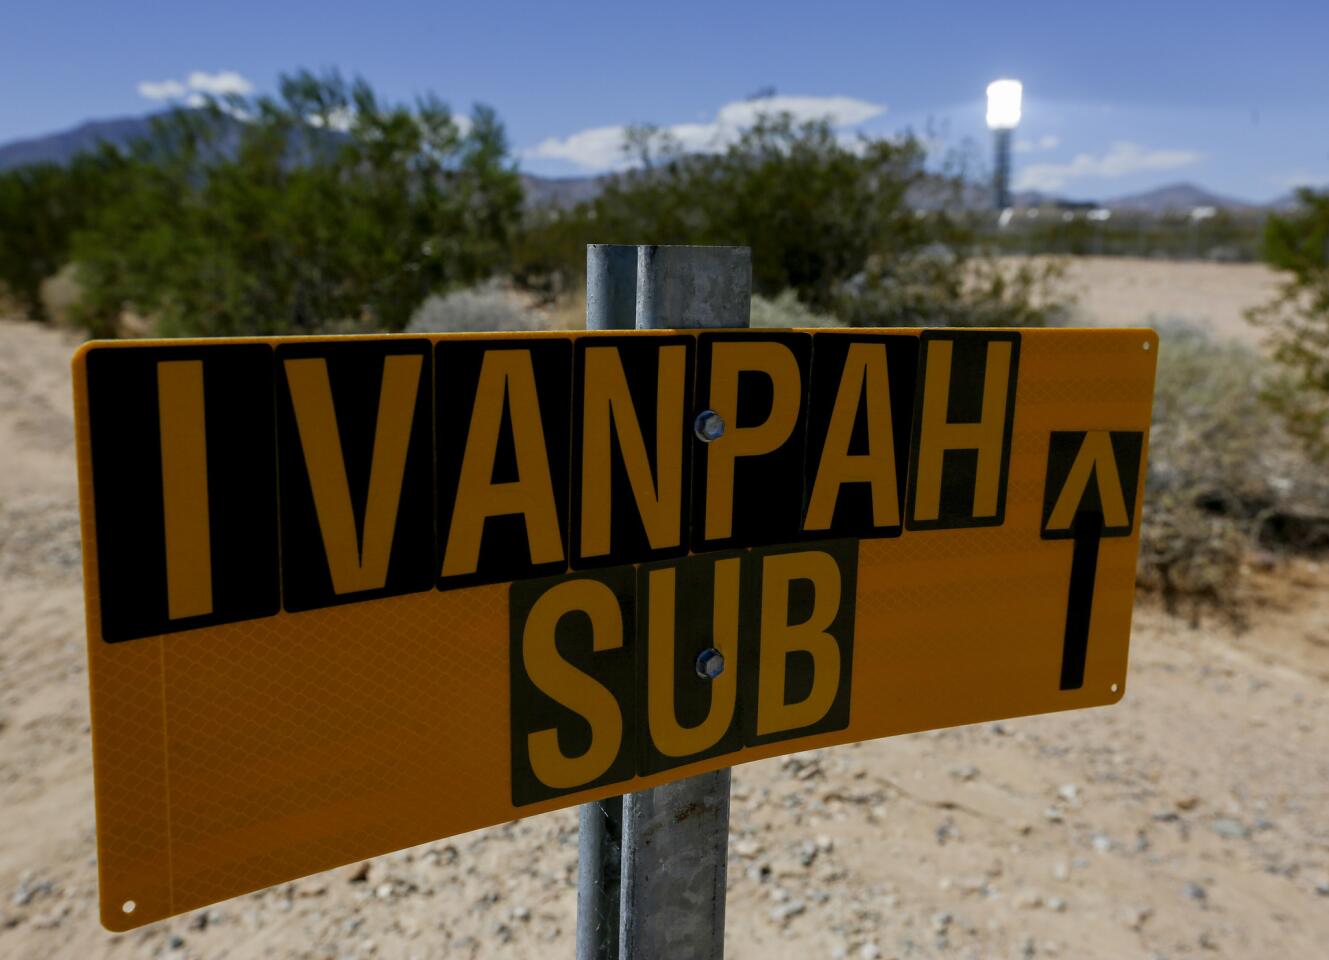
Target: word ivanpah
[(235, 480)]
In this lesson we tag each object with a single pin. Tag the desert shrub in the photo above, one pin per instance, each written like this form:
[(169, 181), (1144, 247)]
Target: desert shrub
[(829, 220), (60, 295), (1297, 320), (41, 207), (1223, 476), (320, 208), (1190, 555), (786, 310), (938, 286), (491, 306)]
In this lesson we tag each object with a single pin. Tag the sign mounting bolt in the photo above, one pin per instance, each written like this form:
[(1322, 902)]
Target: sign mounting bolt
[(709, 426), (710, 663)]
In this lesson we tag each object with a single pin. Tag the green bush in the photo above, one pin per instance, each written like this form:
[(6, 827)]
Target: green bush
[(1297, 320), (786, 310), (831, 221), (41, 207), (489, 306), (320, 208), (952, 286), (1224, 476)]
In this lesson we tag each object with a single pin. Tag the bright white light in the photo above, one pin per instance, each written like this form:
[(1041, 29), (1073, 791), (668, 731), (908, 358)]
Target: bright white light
[(1004, 104)]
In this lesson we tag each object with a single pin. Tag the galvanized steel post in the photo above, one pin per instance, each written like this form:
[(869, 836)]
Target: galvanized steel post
[(669, 844)]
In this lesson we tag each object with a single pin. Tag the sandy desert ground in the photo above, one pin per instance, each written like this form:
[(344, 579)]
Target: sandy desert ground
[(1128, 292), (1190, 821)]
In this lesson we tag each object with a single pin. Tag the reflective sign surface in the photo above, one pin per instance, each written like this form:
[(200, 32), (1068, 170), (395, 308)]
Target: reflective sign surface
[(347, 595)]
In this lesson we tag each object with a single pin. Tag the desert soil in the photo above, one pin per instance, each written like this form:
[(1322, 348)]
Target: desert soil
[(1129, 292), (1192, 820)]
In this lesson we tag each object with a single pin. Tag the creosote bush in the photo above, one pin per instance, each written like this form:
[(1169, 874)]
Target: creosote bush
[(321, 208), (830, 221), (1222, 470), (1296, 321)]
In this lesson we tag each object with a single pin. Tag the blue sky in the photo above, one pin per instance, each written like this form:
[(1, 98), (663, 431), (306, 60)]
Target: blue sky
[(1119, 96)]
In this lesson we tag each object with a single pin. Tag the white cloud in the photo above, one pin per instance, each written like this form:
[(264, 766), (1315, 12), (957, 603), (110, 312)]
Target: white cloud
[(596, 149), (1122, 159), (601, 148), (220, 84), (195, 90), (161, 89)]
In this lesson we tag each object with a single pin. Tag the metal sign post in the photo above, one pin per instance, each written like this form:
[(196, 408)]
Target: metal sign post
[(652, 864)]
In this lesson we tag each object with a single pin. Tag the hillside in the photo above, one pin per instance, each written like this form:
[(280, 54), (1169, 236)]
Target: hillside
[(1174, 198), (61, 147)]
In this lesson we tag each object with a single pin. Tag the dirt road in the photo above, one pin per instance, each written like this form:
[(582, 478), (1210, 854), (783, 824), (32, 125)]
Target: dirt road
[(1190, 821)]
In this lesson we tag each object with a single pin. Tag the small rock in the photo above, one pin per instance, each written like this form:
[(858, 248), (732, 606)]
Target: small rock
[(358, 873), (1188, 803), (973, 886), (1232, 829), (965, 773), (1102, 842), (1136, 917), (1057, 904), (1027, 900), (787, 911), (1322, 889), (1196, 892), (383, 891), (940, 921), (789, 867), (30, 889), (51, 920), (1052, 815), (869, 951), (747, 848), (1069, 792)]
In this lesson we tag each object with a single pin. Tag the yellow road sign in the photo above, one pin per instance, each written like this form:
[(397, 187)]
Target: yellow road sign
[(350, 594)]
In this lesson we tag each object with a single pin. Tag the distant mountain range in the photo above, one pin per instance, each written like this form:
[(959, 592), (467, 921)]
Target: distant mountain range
[(1175, 198), (61, 147), (567, 191)]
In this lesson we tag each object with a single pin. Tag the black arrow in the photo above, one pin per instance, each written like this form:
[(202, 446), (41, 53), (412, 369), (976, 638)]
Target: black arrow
[(1088, 532)]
